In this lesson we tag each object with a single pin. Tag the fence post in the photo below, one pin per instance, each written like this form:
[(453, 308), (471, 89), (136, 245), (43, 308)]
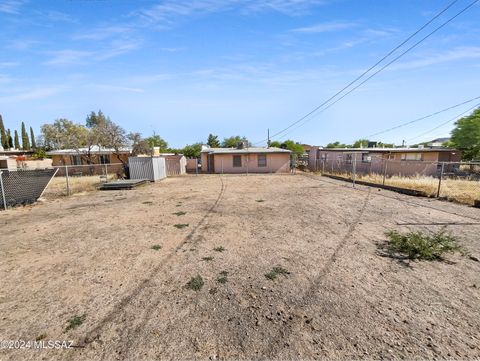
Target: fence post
[(3, 191), (66, 177), (385, 171), (221, 162), (323, 166), (247, 164), (354, 166), (440, 179), (196, 166), (106, 173)]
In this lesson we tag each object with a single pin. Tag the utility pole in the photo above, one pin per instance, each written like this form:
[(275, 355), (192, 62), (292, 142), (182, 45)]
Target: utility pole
[(268, 137)]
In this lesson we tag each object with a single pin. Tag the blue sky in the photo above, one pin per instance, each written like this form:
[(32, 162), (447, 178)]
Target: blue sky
[(188, 68)]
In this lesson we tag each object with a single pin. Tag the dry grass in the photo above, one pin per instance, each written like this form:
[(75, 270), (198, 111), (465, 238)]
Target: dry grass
[(461, 191), (58, 185)]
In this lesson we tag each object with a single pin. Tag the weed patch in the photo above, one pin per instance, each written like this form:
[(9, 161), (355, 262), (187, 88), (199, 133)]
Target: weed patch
[(75, 322), (156, 247), (196, 283), (223, 277), (260, 200), (208, 258), (418, 245), (180, 225), (147, 202), (180, 213), (275, 272), (219, 249)]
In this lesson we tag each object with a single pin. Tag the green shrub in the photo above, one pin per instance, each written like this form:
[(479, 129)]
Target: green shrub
[(156, 247), (219, 249), (181, 225), (418, 245), (275, 272), (75, 322), (195, 283)]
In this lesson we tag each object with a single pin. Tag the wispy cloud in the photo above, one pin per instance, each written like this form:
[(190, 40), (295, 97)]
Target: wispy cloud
[(456, 54), (33, 94), (107, 87), (325, 27), (11, 6), (69, 56), (102, 33)]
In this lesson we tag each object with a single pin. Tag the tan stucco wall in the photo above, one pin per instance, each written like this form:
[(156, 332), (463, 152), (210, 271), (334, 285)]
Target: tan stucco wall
[(59, 160), (276, 163)]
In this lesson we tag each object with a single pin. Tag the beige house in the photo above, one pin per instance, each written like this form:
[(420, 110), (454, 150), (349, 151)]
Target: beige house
[(245, 159)]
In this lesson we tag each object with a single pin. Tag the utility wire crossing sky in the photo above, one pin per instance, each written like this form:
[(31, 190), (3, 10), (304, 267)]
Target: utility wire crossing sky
[(188, 68)]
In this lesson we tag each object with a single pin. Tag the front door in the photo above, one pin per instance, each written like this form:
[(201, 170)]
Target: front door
[(210, 163)]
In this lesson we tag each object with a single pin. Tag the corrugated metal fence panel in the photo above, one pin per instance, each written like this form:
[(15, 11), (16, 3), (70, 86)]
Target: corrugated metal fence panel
[(176, 166), (151, 168), (24, 186), (159, 168), (141, 168)]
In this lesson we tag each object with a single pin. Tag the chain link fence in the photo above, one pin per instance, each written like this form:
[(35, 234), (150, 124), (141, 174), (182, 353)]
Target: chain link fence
[(455, 181), (21, 187)]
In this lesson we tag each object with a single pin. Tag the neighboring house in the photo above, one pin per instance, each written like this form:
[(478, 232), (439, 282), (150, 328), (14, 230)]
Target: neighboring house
[(405, 161), (245, 159), (80, 156)]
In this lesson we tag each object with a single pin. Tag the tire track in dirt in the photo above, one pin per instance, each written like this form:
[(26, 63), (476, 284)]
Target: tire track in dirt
[(119, 308), (272, 351)]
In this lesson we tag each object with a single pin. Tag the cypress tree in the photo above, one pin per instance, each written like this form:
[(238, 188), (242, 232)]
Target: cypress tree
[(25, 142), (10, 139), (32, 139), (3, 135), (16, 141)]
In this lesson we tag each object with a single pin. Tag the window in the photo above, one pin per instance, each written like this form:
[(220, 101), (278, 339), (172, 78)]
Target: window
[(76, 160), (104, 159), (237, 161), (262, 160), (366, 158), (411, 156)]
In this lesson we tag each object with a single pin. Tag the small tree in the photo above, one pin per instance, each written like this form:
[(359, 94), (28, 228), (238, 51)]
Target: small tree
[(213, 141), (296, 148), (139, 145), (192, 151), (3, 134), (10, 139), (16, 140), (32, 138), (157, 141), (466, 136), (25, 141), (234, 141)]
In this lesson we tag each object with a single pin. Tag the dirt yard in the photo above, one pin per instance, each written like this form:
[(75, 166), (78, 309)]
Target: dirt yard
[(83, 269)]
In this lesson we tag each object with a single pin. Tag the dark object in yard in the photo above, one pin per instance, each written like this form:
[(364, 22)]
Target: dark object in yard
[(476, 203), (122, 184)]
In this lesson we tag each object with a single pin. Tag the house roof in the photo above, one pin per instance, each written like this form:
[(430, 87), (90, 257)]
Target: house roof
[(248, 150), (389, 150), (94, 150)]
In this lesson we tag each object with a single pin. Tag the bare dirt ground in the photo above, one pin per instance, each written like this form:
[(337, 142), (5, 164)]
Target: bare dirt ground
[(91, 255)]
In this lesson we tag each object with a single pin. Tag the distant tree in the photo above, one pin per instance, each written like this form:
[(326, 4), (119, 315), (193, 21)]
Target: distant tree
[(466, 136), (112, 136), (10, 139), (275, 144), (3, 134), (213, 141), (16, 140), (25, 141), (296, 148), (234, 141), (337, 144), (64, 134), (385, 145), (32, 138), (157, 141), (139, 145), (95, 119), (192, 151), (361, 143)]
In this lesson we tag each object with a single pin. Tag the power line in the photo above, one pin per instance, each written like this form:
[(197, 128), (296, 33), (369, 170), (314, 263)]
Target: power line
[(444, 123), (376, 64), (422, 118), (382, 68)]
